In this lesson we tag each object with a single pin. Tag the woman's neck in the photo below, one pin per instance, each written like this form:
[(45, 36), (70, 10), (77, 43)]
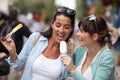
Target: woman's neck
[(53, 43), (52, 50), (93, 50)]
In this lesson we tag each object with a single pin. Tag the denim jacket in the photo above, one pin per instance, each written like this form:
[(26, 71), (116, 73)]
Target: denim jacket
[(28, 55)]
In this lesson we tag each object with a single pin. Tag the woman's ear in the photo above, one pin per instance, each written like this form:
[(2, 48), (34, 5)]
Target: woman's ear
[(95, 36)]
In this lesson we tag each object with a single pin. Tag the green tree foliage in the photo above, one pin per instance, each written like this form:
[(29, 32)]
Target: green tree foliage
[(81, 9), (33, 6)]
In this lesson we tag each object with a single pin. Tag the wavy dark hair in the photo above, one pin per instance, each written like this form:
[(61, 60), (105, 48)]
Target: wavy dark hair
[(49, 33)]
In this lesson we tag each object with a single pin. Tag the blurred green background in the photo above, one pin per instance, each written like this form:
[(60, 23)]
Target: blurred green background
[(49, 6)]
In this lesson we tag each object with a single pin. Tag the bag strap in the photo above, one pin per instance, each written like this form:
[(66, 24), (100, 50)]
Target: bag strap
[(36, 40), (29, 54)]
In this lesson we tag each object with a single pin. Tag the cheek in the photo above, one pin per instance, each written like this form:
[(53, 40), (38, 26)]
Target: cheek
[(89, 40), (85, 37), (55, 29), (68, 31)]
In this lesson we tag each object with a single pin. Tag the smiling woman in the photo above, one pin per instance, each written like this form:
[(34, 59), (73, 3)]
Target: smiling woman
[(61, 28), (46, 52), (93, 60)]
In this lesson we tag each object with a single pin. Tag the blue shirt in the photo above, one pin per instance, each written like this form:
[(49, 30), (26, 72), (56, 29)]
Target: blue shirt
[(28, 55)]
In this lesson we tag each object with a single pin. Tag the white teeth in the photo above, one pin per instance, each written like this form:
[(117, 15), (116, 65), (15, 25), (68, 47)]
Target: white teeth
[(60, 35)]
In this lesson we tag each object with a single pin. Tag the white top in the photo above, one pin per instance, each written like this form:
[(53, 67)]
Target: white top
[(46, 69), (88, 70)]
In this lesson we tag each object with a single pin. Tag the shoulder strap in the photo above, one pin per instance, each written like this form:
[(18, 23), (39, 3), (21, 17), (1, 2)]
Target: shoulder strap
[(36, 40), (28, 56)]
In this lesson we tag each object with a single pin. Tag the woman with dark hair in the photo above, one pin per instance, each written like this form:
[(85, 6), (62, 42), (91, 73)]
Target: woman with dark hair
[(93, 60), (43, 61)]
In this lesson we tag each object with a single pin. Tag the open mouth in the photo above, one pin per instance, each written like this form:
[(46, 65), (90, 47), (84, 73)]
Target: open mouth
[(61, 36)]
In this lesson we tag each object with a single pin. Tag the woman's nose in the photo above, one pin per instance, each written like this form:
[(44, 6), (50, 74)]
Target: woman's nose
[(61, 29)]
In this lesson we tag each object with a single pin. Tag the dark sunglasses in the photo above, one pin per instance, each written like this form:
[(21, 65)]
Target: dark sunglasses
[(67, 10), (93, 18)]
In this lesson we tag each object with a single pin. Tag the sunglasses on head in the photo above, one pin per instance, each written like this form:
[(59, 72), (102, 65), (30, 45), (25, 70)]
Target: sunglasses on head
[(65, 9), (93, 18)]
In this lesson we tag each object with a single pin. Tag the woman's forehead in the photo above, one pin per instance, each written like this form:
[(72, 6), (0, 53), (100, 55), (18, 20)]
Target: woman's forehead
[(63, 19)]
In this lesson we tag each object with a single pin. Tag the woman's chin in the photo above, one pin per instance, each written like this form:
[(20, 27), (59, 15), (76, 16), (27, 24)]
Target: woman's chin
[(82, 45)]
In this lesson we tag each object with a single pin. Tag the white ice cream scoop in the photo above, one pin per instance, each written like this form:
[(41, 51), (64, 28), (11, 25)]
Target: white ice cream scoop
[(63, 47)]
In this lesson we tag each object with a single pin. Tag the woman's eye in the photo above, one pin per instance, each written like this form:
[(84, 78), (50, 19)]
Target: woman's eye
[(67, 27), (57, 25)]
